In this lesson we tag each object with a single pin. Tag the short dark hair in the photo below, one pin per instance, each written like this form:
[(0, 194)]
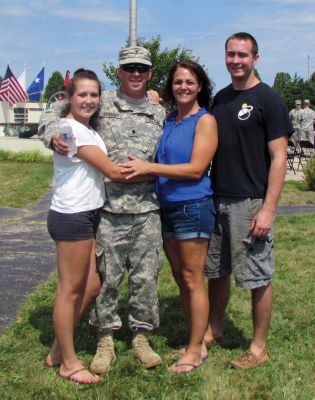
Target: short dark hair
[(79, 74), (204, 96), (244, 36)]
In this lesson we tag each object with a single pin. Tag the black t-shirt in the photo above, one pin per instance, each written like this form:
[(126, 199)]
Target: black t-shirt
[(247, 121)]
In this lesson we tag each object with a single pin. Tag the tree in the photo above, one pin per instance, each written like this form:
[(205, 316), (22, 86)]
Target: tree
[(290, 89), (161, 61), (1, 79), (256, 73), (310, 89), (281, 80), (54, 84)]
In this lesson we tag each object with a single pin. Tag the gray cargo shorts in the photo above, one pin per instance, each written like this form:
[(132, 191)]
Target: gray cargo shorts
[(232, 249)]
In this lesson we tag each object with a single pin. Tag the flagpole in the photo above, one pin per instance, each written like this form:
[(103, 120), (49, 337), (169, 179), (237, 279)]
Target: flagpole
[(27, 101), (41, 93), (133, 23), (24, 68), (8, 100)]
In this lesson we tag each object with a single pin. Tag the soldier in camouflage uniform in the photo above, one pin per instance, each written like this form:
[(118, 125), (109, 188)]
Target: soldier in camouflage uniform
[(296, 118), (129, 234), (308, 122)]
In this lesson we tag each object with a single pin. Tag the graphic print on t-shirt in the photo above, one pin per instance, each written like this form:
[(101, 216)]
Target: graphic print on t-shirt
[(244, 113)]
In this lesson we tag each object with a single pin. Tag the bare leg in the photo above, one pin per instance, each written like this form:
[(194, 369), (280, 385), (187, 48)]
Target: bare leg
[(261, 312), (188, 258), (92, 289), (219, 294), (73, 262)]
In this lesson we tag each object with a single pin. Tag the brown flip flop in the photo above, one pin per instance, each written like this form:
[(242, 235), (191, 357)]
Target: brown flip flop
[(71, 377), (193, 367)]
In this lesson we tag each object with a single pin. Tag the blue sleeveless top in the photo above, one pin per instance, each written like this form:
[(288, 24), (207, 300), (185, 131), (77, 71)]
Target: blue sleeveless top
[(176, 148)]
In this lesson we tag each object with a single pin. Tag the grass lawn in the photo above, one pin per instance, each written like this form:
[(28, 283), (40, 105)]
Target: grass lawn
[(289, 375), (22, 183), (296, 192)]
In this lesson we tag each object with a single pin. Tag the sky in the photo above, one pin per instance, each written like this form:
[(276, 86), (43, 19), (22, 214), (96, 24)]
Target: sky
[(69, 34)]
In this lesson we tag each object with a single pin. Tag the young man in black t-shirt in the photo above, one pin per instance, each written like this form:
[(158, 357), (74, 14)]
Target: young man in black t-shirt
[(247, 174)]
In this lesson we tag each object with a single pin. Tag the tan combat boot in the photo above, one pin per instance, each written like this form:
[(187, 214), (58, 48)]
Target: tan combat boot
[(143, 352), (105, 354)]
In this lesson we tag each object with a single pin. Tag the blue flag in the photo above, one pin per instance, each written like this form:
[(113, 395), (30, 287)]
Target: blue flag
[(36, 87)]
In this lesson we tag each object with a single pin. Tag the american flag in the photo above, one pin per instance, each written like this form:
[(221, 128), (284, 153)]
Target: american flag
[(11, 90)]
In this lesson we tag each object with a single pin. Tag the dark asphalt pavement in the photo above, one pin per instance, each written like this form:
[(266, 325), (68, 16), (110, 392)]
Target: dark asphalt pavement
[(27, 253), (298, 210)]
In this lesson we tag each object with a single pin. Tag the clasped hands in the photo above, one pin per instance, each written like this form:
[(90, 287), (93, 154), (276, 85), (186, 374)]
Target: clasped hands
[(134, 167)]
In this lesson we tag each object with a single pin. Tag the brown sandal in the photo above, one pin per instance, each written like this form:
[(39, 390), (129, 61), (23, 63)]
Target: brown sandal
[(71, 377)]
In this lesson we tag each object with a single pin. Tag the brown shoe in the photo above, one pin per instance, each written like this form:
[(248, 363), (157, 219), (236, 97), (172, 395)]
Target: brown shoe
[(248, 360), (105, 354), (144, 353)]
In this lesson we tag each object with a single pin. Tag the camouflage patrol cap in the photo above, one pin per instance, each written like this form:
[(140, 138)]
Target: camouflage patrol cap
[(306, 101), (136, 54), (298, 102)]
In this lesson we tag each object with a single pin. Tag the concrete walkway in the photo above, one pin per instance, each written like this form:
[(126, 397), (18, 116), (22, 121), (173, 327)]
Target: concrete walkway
[(17, 144)]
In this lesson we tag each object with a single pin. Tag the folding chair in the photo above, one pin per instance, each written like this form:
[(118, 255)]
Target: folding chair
[(293, 155)]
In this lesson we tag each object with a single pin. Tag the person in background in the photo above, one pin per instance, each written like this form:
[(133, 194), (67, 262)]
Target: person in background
[(296, 118), (129, 234), (308, 122), (78, 195), (248, 172), (67, 80), (187, 146)]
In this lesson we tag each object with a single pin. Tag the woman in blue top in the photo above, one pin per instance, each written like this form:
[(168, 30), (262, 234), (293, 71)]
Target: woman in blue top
[(187, 147)]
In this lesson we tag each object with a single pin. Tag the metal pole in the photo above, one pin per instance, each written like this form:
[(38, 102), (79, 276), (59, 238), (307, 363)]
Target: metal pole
[(308, 68), (133, 23)]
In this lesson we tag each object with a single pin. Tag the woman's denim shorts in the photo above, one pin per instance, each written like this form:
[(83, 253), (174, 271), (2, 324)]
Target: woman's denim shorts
[(188, 220), (72, 227)]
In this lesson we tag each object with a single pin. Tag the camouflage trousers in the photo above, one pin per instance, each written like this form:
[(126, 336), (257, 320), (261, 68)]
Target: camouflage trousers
[(308, 134), (133, 243), (296, 137)]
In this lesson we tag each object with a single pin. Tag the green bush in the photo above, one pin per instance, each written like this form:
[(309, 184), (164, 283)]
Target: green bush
[(309, 173), (4, 155), (31, 156)]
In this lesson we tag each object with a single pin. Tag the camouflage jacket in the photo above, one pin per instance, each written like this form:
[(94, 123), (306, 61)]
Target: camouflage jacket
[(308, 119), (125, 132), (296, 118)]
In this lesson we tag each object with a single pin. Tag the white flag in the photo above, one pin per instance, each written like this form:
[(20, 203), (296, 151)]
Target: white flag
[(22, 79)]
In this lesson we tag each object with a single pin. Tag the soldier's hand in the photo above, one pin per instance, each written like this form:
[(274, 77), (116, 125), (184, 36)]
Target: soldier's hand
[(134, 167), (59, 145), (154, 97)]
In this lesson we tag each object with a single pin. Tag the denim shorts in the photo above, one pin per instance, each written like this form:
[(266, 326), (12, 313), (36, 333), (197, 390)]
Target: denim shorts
[(232, 249), (72, 227), (188, 220)]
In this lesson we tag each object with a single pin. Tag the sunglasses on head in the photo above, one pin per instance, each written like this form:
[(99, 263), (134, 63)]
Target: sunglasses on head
[(141, 68)]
